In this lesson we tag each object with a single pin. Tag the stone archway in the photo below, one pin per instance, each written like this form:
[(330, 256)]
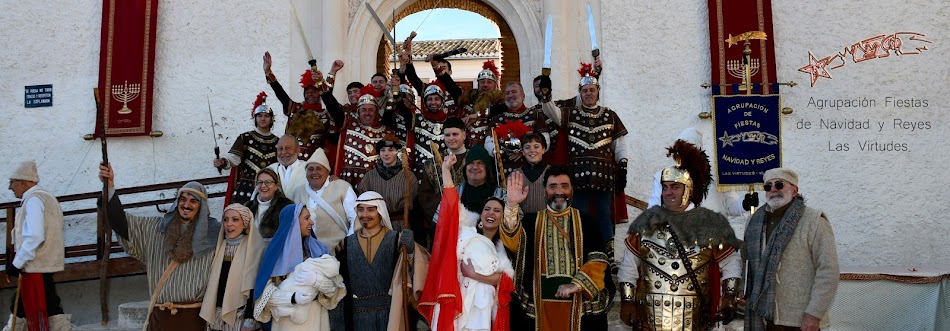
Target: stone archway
[(519, 16), (510, 55)]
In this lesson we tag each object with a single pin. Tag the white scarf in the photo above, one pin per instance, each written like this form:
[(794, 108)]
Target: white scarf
[(317, 201)]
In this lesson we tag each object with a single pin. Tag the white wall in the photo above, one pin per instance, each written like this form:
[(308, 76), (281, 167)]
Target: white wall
[(205, 50), (886, 208)]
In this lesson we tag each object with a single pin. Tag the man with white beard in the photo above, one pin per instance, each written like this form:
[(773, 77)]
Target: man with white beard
[(786, 232)]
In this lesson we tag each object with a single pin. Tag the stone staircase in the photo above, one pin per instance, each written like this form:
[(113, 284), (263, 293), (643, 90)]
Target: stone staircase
[(132, 314), (132, 318)]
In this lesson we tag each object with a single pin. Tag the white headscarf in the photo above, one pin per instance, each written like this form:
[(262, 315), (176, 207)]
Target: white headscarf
[(373, 199)]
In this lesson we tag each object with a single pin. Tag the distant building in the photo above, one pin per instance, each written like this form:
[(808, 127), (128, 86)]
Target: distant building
[(465, 66)]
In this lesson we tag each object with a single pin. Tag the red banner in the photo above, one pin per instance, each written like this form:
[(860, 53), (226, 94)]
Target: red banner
[(127, 66), (731, 23)]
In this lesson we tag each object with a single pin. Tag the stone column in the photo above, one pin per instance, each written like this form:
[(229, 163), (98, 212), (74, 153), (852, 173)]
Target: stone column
[(312, 20), (333, 34)]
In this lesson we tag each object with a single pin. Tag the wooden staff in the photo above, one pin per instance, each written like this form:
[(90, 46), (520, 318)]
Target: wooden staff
[(498, 161), (16, 301), (11, 223), (407, 197), (105, 231), (438, 160), (406, 291)]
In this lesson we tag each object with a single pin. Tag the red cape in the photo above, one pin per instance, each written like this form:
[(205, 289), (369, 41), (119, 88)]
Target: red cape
[(442, 284)]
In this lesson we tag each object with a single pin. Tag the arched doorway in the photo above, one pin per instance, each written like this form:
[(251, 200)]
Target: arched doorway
[(510, 55), (362, 40)]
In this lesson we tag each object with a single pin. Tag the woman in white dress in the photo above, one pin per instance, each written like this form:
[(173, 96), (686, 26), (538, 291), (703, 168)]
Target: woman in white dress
[(484, 270)]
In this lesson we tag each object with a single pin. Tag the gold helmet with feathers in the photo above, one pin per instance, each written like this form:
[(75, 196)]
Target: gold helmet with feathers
[(692, 169)]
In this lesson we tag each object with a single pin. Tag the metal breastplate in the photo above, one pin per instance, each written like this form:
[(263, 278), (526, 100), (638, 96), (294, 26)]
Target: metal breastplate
[(590, 138), (666, 298), (427, 131), (527, 117), (359, 150), (478, 131), (259, 152), (310, 144), (591, 134)]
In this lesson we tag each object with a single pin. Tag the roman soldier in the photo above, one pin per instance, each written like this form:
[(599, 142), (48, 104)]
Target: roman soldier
[(252, 151), (557, 154), (477, 104), (352, 92), (407, 100), (357, 152), (597, 154), (511, 121), (679, 269), (473, 105), (313, 126), (426, 125)]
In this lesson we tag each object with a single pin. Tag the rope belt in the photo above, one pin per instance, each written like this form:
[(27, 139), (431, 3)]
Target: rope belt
[(174, 307)]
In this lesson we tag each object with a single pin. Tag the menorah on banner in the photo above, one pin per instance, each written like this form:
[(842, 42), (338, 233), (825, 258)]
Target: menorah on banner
[(125, 93), (738, 69)]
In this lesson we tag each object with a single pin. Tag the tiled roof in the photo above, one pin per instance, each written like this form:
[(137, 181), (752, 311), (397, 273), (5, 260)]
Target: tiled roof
[(477, 48)]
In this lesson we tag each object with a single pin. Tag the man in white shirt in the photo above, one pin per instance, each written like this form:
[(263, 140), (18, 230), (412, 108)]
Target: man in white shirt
[(290, 169), (39, 247)]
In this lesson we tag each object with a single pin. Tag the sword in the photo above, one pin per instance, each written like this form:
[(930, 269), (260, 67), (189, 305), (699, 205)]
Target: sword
[(379, 22), (306, 45), (217, 150), (548, 31), (594, 49), (395, 60), (392, 40)]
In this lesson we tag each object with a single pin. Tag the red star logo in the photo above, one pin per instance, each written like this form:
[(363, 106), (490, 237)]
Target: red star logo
[(816, 68)]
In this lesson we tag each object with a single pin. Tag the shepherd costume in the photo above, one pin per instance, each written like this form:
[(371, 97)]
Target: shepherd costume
[(229, 304), (38, 242), (332, 206), (391, 183), (372, 269), (147, 239)]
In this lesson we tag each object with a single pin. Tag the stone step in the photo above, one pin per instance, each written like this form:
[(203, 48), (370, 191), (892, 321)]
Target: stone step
[(99, 327), (133, 314)]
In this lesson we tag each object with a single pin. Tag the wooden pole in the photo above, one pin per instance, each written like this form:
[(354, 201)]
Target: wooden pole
[(104, 240), (16, 301), (438, 160), (11, 222), (498, 161), (407, 197)]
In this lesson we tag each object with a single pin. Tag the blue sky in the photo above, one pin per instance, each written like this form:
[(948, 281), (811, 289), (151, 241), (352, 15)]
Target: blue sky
[(446, 24)]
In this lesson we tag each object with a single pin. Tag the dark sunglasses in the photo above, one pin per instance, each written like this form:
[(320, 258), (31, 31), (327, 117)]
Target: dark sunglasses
[(778, 185)]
